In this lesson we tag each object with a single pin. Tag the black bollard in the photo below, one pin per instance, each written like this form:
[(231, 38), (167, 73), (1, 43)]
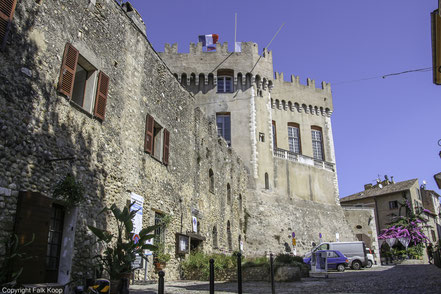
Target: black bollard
[(212, 276), (239, 273), (273, 290), (161, 282)]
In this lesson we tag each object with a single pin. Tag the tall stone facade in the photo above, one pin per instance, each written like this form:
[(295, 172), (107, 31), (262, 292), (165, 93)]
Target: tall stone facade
[(124, 126), (282, 131)]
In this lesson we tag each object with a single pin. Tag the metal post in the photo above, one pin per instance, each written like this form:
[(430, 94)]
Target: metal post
[(161, 282), (273, 290), (239, 273), (212, 276)]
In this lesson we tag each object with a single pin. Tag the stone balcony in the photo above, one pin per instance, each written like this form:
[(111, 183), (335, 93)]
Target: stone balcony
[(291, 156)]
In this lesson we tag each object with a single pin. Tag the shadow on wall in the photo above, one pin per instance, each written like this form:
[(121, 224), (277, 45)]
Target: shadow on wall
[(42, 142)]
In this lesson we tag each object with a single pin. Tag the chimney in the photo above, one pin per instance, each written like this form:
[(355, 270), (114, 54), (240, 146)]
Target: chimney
[(392, 180), (367, 187)]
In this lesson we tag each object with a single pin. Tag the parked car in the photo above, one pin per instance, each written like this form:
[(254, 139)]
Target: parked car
[(370, 257), (355, 251), (335, 260)]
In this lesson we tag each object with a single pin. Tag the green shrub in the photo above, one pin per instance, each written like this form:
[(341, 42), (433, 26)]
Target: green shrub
[(199, 262), (255, 262), (288, 259)]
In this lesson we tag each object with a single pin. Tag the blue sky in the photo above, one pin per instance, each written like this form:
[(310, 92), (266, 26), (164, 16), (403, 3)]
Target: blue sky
[(381, 126)]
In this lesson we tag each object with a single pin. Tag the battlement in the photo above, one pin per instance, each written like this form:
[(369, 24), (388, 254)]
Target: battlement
[(221, 48), (295, 81)]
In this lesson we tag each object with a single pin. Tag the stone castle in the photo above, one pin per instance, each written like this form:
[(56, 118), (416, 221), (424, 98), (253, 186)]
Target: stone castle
[(229, 153)]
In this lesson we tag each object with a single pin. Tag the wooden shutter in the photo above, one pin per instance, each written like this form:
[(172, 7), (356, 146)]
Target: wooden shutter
[(165, 147), (101, 95), (68, 68), (7, 8), (149, 127), (33, 217)]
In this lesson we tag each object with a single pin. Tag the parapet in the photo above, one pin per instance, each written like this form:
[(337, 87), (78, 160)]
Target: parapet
[(221, 48), (295, 81)]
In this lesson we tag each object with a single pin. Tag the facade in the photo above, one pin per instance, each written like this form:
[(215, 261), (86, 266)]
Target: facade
[(82, 92), (385, 199), (282, 131)]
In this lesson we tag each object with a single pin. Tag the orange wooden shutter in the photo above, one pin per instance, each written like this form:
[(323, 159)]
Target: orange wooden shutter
[(166, 147), (149, 125), (7, 8), (101, 95), (68, 68)]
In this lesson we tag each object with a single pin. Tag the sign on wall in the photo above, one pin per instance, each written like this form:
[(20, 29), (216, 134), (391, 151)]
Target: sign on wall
[(138, 205), (195, 224)]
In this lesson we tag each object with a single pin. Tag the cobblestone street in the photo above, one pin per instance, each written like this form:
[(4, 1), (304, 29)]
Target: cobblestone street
[(385, 279)]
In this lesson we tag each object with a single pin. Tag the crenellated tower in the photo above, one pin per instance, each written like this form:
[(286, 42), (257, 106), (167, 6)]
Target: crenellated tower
[(281, 130)]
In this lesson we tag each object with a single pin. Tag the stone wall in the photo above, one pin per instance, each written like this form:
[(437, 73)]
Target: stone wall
[(42, 128)]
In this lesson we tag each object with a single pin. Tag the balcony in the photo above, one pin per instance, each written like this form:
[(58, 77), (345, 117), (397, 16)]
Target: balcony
[(291, 156)]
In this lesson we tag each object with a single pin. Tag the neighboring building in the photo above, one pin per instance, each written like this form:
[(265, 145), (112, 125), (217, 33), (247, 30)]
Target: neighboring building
[(282, 131), (386, 198), (140, 137)]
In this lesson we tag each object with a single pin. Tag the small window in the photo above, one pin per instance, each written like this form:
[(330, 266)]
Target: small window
[(229, 238), (240, 202), (228, 194), (215, 237), (160, 231), (223, 123), (82, 83), (274, 135), (157, 140), (261, 137), (211, 180), (266, 181), (393, 204), (294, 137), (359, 227), (317, 143)]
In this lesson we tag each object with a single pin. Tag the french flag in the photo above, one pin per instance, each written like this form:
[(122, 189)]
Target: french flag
[(209, 41)]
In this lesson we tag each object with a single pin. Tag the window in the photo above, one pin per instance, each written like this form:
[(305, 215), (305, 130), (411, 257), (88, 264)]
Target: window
[(317, 143), (54, 241), (240, 202), (224, 84), (157, 140), (261, 137), (224, 126), (393, 204), (160, 231), (214, 237), (228, 194), (211, 180), (266, 181), (419, 193), (230, 241), (294, 137), (7, 9), (274, 135), (82, 83)]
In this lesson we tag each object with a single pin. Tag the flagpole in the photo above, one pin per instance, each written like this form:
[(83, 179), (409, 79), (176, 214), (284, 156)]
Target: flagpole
[(235, 30)]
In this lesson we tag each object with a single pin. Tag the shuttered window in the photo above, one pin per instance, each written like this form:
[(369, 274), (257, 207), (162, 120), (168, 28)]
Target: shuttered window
[(78, 81), (157, 140), (7, 8)]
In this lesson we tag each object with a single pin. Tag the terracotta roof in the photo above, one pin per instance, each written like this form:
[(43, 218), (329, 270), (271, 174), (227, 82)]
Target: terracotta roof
[(376, 191)]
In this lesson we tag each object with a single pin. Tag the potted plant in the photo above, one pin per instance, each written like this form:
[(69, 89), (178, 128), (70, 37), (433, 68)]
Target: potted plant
[(120, 249), (161, 257)]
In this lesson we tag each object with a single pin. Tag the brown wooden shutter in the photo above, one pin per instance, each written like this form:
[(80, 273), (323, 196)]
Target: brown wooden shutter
[(165, 147), (101, 95), (33, 217), (149, 127), (7, 8), (68, 68)]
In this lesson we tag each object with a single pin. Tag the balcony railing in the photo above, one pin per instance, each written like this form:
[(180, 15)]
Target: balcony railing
[(291, 156)]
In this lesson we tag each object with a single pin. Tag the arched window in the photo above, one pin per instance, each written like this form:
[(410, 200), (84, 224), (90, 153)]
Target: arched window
[(230, 243), (266, 181), (215, 237), (184, 79), (228, 194), (201, 82), (211, 180)]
